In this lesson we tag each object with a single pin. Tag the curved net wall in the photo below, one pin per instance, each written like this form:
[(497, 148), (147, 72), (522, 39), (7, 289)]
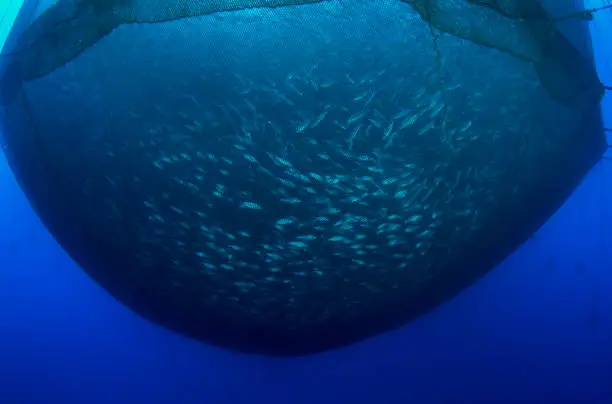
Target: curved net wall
[(286, 177)]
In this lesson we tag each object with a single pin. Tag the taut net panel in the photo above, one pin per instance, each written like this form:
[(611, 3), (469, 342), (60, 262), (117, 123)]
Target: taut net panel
[(286, 177)]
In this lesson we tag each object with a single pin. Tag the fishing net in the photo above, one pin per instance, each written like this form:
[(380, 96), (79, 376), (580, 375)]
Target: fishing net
[(521, 28), (286, 177)]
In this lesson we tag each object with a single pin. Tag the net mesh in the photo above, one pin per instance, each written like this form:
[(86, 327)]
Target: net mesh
[(289, 177), (521, 28)]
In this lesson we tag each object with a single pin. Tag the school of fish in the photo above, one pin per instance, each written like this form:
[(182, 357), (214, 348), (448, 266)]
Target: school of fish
[(255, 187)]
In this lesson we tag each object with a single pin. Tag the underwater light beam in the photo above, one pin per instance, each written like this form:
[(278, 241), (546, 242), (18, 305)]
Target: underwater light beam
[(9, 13)]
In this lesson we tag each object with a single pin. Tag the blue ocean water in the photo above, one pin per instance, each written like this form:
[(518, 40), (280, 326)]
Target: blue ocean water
[(537, 329)]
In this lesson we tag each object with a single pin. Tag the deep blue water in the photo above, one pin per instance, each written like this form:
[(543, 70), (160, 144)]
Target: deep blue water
[(537, 329)]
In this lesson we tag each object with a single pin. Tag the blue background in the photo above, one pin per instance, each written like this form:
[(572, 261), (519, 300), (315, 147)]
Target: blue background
[(537, 329)]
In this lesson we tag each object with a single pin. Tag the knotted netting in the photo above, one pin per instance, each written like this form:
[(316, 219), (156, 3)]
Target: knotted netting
[(286, 177)]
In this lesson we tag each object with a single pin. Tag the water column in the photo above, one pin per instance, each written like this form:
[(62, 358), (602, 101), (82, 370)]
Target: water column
[(9, 10), (601, 31)]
